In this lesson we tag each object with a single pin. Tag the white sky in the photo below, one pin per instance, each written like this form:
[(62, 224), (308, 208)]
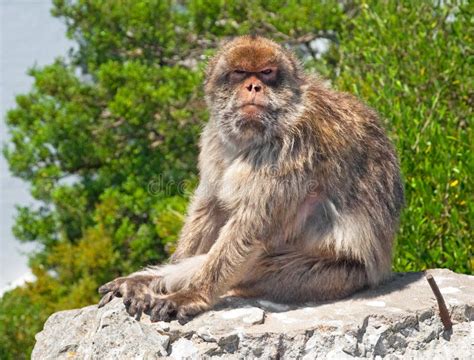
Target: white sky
[(29, 36)]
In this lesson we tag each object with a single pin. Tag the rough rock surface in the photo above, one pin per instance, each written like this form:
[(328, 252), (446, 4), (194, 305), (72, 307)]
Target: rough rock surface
[(397, 320)]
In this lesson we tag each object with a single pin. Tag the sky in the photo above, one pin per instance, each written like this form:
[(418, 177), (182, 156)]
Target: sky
[(29, 36)]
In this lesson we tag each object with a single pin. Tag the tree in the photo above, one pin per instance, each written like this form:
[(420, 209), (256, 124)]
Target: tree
[(107, 138)]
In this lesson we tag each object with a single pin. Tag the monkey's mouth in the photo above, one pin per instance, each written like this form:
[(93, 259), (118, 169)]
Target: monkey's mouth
[(252, 111), (252, 106)]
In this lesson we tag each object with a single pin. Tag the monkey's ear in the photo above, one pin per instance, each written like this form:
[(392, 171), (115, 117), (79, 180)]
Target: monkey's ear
[(211, 67), (296, 65)]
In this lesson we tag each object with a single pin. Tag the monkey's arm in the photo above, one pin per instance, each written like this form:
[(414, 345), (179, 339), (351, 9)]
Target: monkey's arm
[(206, 216), (200, 231), (232, 251), (201, 228), (197, 281)]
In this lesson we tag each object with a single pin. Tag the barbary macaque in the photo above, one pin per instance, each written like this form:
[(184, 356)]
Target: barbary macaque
[(299, 196)]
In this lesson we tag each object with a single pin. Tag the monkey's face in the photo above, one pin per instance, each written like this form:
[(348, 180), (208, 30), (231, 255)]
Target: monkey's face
[(252, 91)]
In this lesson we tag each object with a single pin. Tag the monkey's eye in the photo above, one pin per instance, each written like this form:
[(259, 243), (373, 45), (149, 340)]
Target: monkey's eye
[(237, 76), (268, 75)]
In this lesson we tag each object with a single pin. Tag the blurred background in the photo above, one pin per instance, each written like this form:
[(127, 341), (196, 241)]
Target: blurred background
[(102, 106)]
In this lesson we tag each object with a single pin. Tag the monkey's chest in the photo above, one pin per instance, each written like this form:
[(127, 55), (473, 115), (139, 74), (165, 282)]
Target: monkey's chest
[(240, 183)]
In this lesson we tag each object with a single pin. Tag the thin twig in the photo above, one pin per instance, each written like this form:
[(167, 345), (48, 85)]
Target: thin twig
[(443, 310)]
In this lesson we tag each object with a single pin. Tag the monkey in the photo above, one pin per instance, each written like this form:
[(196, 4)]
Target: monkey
[(299, 197)]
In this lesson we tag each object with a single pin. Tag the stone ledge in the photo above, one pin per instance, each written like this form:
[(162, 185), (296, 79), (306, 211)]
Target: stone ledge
[(397, 320)]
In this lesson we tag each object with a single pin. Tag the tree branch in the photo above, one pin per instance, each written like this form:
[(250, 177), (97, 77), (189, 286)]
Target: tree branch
[(443, 310)]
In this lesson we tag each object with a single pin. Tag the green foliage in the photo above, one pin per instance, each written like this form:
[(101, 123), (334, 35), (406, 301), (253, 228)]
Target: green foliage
[(107, 138), (20, 319)]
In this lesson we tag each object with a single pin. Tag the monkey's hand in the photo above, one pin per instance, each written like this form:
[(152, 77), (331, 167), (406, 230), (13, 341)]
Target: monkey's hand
[(142, 291), (139, 296), (136, 292), (182, 305)]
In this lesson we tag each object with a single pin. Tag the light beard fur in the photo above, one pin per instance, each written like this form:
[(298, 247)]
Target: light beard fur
[(268, 127)]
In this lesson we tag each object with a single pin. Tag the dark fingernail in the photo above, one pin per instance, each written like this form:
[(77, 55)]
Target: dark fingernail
[(138, 315), (103, 290), (183, 320), (154, 317), (105, 299)]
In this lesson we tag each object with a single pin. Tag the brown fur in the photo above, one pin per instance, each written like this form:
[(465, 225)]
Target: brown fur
[(299, 199)]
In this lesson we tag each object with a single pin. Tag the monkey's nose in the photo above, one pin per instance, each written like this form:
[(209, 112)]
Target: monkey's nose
[(254, 87)]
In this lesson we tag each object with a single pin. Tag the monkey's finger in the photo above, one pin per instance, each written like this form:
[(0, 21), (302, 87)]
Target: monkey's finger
[(187, 313), (183, 317), (104, 289), (155, 312), (135, 307), (167, 311), (141, 306), (154, 315), (147, 303), (127, 301), (139, 313), (106, 299), (152, 303), (132, 308), (110, 286)]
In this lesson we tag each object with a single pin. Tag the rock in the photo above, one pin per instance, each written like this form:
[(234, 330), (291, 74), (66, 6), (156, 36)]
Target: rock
[(248, 315), (397, 320), (184, 349)]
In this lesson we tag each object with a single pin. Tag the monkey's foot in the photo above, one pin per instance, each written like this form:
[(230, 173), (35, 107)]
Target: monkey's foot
[(135, 291), (182, 306)]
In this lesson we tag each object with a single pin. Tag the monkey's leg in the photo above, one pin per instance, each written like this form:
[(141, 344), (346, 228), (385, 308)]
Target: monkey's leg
[(295, 277)]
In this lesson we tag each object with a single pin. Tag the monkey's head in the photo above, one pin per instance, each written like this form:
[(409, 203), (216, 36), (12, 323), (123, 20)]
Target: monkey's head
[(253, 88)]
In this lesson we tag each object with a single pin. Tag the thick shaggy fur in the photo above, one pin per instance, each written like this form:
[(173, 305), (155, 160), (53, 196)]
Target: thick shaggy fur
[(300, 203)]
